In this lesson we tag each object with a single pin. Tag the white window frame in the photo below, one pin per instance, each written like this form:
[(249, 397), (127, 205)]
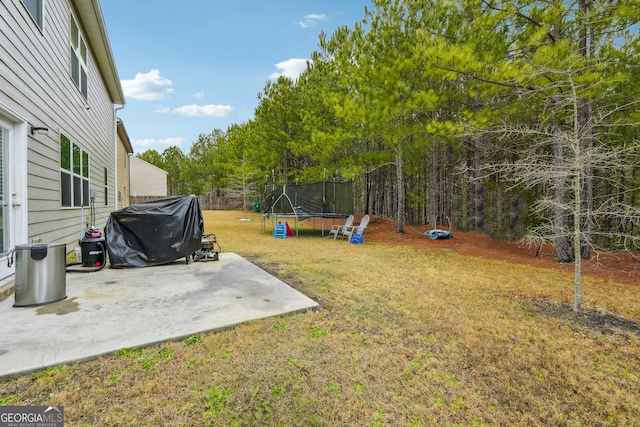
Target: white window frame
[(74, 179), (78, 58), (106, 187)]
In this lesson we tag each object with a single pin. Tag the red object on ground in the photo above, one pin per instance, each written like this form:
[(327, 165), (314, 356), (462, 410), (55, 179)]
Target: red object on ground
[(289, 232)]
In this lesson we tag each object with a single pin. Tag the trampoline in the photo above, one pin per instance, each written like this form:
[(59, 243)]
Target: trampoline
[(325, 200)]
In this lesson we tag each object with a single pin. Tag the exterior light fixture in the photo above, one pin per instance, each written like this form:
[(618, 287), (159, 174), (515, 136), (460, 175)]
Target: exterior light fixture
[(39, 130)]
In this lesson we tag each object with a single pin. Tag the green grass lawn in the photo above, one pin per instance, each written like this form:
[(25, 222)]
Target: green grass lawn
[(403, 337)]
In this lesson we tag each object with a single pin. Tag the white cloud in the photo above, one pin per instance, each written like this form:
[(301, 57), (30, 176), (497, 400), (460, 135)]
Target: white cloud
[(210, 110), (147, 87), (143, 143), (162, 109), (199, 94), (171, 141), (291, 68), (312, 19)]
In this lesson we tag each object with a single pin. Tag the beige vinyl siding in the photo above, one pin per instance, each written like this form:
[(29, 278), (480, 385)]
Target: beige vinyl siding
[(123, 175), (147, 179), (123, 187), (35, 81)]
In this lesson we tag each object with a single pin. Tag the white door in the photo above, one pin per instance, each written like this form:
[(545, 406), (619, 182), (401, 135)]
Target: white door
[(12, 193)]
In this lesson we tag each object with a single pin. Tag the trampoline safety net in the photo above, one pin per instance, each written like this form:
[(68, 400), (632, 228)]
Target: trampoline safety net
[(320, 199)]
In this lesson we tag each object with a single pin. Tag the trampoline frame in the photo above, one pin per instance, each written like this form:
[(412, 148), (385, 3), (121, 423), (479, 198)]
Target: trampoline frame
[(296, 213)]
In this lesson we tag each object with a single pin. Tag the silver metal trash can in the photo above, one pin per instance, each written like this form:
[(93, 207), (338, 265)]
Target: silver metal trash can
[(40, 273)]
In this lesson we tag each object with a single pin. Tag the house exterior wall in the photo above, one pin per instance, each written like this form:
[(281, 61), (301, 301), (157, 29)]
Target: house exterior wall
[(36, 83), (147, 179), (123, 162)]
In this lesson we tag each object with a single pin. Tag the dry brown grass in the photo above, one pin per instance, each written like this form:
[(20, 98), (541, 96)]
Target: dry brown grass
[(404, 337)]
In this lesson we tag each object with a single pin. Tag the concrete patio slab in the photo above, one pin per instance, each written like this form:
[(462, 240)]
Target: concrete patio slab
[(112, 309)]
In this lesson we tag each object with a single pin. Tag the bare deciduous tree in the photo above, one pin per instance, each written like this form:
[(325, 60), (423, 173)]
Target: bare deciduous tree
[(552, 155)]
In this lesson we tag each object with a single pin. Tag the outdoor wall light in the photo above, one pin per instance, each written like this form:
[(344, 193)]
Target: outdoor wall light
[(39, 130)]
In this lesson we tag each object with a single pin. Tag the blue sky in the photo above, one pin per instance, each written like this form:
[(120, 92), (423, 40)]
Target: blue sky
[(193, 66)]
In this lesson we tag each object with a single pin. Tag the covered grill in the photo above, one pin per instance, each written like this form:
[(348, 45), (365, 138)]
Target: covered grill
[(154, 233)]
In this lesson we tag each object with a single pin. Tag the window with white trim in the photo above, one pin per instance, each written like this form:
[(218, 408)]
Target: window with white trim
[(74, 174), (106, 187), (78, 58), (35, 9)]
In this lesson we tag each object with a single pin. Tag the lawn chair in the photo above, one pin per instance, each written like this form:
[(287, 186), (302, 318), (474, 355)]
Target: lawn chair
[(357, 229), (337, 229)]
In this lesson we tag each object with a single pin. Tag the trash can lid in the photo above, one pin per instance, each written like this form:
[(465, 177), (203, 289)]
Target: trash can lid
[(28, 246)]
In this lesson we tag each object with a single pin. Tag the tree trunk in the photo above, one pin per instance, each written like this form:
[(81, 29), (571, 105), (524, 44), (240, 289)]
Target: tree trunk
[(559, 221), (585, 122), (367, 194), (285, 166), (588, 227), (400, 188), (577, 287), (433, 185), (478, 164), (514, 216), (449, 184)]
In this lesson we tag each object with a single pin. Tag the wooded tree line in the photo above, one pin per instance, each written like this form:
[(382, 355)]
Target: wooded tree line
[(511, 117)]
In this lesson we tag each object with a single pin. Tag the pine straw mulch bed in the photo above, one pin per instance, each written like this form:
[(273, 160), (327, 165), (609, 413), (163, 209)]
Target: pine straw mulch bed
[(605, 323)]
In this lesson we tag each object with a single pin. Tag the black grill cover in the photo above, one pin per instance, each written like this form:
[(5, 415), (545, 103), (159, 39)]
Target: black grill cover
[(154, 233)]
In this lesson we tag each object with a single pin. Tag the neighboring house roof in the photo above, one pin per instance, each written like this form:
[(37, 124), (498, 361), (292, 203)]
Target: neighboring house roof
[(91, 16), (124, 137)]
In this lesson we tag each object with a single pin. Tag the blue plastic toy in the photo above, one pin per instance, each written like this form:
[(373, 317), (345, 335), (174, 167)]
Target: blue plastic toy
[(436, 234), (280, 231)]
